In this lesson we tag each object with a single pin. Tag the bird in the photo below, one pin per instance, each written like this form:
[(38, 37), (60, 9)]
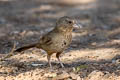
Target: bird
[(57, 40)]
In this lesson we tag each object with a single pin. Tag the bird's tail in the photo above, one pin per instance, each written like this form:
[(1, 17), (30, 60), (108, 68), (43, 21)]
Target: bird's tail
[(25, 47)]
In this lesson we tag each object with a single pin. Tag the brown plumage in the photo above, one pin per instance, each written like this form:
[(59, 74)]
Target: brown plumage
[(55, 41)]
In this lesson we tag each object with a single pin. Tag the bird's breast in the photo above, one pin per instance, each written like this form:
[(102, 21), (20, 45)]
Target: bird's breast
[(62, 42)]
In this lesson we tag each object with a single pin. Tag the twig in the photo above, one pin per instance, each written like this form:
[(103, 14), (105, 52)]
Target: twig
[(10, 54)]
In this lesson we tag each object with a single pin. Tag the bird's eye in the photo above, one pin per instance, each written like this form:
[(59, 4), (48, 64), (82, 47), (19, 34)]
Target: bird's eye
[(69, 22)]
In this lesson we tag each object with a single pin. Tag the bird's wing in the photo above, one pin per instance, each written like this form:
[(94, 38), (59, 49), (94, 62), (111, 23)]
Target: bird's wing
[(46, 40)]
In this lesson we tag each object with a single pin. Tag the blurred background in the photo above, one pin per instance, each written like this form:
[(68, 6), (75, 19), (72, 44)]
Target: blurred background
[(25, 21)]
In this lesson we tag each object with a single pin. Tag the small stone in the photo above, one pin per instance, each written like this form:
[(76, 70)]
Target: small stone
[(74, 76), (78, 78), (50, 75), (35, 65), (62, 76), (118, 67), (2, 21), (113, 61), (95, 75), (29, 33)]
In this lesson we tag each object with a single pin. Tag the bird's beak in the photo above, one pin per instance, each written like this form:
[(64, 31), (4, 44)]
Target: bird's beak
[(77, 26)]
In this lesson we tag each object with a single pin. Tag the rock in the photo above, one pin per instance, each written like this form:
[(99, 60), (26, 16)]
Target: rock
[(50, 75), (62, 76), (95, 75), (78, 78), (35, 64), (113, 61), (2, 21), (29, 33), (74, 76), (118, 67)]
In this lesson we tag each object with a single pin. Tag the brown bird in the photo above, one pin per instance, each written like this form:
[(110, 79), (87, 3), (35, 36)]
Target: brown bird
[(57, 40)]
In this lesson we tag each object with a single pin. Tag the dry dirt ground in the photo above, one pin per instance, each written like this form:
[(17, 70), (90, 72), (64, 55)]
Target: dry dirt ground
[(93, 55)]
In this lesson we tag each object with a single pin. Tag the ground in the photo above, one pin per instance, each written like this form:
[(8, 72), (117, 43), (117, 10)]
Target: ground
[(93, 55)]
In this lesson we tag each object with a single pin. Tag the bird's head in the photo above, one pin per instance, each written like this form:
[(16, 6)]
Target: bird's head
[(66, 24)]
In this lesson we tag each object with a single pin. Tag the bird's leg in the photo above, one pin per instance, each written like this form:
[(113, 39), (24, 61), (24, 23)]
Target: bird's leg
[(49, 62), (57, 56)]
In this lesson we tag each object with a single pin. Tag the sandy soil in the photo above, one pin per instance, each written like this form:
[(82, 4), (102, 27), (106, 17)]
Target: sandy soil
[(93, 55)]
